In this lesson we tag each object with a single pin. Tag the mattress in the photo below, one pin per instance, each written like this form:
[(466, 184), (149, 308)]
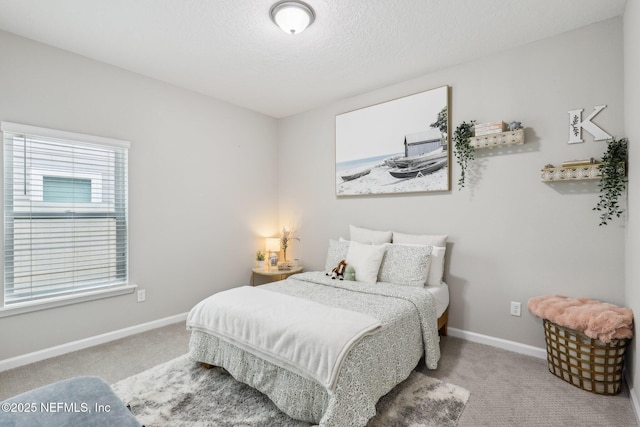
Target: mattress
[(441, 295)]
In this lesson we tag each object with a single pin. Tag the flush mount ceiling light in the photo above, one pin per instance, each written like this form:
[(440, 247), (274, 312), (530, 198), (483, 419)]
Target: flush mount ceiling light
[(293, 17)]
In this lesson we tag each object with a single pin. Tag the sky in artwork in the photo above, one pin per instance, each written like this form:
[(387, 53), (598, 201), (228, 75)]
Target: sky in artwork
[(380, 129)]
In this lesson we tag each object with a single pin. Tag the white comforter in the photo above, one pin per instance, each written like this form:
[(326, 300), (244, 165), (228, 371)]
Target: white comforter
[(371, 369), (305, 337)]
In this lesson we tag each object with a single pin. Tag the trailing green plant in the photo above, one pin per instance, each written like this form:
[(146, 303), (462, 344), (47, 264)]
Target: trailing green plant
[(464, 152), (614, 179)]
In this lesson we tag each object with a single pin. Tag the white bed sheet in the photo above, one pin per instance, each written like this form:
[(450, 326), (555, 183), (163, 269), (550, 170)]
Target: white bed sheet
[(441, 295)]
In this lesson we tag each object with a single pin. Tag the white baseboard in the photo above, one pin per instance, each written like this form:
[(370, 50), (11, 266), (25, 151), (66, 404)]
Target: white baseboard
[(47, 353), (513, 346)]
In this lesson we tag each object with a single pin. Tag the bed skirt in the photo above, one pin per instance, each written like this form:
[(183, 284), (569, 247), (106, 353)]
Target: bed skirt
[(281, 386), (352, 403)]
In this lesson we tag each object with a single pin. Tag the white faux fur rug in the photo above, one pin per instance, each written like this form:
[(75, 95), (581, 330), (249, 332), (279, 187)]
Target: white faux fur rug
[(183, 393)]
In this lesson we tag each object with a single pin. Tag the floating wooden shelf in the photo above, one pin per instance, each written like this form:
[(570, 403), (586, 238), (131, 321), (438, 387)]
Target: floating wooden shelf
[(515, 137), (571, 174)]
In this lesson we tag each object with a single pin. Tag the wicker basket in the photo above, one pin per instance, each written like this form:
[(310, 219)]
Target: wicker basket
[(585, 362)]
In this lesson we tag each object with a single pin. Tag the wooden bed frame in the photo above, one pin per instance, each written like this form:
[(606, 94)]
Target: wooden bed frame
[(442, 323)]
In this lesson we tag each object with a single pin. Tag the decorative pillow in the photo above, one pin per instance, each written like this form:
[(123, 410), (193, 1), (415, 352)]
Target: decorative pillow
[(436, 271), (366, 260), (350, 273), (418, 239), (405, 265), (336, 253), (364, 235)]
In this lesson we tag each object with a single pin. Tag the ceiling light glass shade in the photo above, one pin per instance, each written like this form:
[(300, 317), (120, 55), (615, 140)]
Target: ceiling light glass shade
[(293, 17)]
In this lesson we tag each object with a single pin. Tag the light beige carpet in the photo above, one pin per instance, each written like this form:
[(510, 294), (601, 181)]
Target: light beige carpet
[(507, 389)]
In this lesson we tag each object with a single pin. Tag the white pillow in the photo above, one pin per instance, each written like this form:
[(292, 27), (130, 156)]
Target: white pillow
[(405, 264), (436, 271), (364, 235), (366, 260), (418, 239)]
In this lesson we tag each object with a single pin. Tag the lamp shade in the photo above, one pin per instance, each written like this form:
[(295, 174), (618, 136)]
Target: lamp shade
[(293, 17), (273, 244)]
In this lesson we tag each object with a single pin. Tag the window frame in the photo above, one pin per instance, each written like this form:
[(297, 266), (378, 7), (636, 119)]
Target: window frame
[(79, 294)]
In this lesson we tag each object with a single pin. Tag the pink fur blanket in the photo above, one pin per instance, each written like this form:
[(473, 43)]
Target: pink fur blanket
[(596, 319)]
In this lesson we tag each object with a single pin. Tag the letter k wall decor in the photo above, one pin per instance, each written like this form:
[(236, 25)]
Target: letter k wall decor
[(576, 125)]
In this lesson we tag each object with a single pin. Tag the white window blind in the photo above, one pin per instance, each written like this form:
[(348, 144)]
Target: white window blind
[(65, 213)]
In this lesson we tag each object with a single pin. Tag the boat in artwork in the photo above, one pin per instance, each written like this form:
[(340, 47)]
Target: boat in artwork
[(355, 175), (411, 161), (422, 169), (391, 161)]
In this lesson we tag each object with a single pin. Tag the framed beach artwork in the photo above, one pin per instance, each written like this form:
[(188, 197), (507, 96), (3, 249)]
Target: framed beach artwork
[(398, 146)]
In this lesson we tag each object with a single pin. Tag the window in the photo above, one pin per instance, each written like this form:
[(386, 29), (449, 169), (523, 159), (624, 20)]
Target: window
[(65, 214), (60, 189)]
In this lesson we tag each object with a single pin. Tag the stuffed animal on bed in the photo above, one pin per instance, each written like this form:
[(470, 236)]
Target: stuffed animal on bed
[(338, 271)]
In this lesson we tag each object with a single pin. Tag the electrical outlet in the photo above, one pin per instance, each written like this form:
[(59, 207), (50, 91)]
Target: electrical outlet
[(142, 295), (515, 308)]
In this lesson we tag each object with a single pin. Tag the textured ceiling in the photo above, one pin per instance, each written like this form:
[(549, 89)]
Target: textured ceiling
[(231, 50)]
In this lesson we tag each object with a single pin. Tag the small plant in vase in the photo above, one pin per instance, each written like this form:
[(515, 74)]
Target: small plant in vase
[(287, 236), (614, 179), (260, 257)]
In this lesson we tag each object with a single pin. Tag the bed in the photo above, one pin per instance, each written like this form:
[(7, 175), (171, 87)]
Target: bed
[(409, 319)]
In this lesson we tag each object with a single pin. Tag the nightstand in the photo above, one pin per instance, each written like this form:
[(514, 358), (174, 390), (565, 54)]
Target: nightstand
[(273, 273)]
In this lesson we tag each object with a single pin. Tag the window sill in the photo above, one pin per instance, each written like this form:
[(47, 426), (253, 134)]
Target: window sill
[(26, 307)]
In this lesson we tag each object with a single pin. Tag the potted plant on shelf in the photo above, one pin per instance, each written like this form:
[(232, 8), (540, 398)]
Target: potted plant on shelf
[(260, 256), (614, 179), (464, 152)]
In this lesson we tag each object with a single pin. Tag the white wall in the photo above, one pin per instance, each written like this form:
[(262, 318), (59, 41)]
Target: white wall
[(511, 236), (197, 197), (631, 114)]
